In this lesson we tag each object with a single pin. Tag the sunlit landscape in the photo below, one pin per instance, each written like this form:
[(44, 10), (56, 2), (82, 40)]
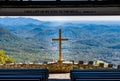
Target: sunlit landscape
[(29, 39)]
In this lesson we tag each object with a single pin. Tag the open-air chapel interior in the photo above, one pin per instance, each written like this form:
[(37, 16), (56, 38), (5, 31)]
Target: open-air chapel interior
[(59, 40)]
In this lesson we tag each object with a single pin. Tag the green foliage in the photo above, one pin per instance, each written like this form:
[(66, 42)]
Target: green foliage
[(5, 58)]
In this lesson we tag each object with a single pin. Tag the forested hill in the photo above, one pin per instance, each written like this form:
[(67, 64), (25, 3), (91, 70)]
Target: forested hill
[(88, 40)]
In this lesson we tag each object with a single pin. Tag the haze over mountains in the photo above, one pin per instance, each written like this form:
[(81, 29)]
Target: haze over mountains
[(27, 39)]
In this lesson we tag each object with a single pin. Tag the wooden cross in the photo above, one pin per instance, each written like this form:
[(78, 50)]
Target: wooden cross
[(60, 39)]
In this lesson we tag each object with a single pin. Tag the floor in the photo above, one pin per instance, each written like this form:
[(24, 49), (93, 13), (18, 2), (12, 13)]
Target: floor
[(59, 77), (58, 80)]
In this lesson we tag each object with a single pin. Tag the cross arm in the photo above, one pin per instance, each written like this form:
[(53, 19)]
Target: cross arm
[(63, 39), (55, 39)]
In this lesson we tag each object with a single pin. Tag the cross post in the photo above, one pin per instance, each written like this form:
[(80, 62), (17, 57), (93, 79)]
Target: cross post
[(60, 39)]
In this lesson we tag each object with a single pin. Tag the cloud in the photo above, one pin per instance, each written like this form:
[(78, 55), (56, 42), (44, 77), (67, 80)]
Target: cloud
[(71, 18)]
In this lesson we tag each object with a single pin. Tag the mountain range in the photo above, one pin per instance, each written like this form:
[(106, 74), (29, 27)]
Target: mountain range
[(23, 38)]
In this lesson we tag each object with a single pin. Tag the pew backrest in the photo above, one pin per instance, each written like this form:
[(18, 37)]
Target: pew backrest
[(24, 74), (79, 75)]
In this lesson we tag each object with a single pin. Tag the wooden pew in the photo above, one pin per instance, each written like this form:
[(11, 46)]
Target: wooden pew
[(90, 63), (95, 75), (97, 80), (80, 62), (110, 66), (118, 67), (24, 74)]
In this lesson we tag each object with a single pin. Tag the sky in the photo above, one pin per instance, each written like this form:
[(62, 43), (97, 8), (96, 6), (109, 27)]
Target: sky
[(71, 18)]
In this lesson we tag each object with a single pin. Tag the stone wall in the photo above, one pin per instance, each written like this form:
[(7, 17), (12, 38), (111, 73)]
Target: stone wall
[(56, 67)]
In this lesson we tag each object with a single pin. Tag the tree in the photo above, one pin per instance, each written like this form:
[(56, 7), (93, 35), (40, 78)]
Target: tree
[(4, 59)]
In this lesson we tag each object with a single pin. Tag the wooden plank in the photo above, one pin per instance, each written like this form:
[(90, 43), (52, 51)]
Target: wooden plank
[(95, 75), (97, 80), (24, 74)]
